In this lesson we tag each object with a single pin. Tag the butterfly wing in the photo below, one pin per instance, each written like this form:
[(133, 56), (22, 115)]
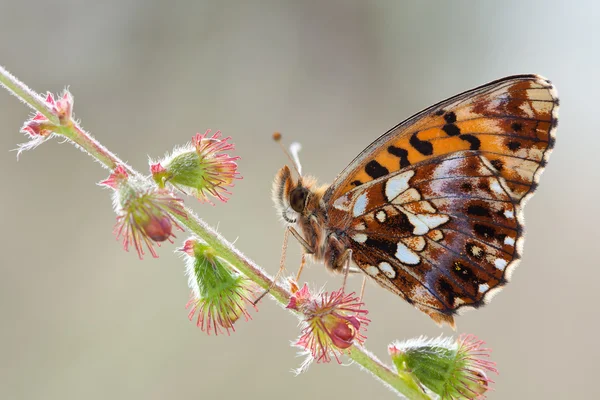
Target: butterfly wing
[(432, 209), (511, 121)]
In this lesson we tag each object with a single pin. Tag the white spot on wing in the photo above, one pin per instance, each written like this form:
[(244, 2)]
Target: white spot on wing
[(436, 235), (476, 251), (495, 186), (539, 93), (458, 301), (433, 220), (416, 243), (483, 287), (542, 107), (359, 237), (342, 203), (509, 241), (527, 110), (372, 270), (408, 196), (387, 269), (360, 226), (360, 205), (406, 255), (509, 214), (500, 264), (381, 216), (398, 184), (419, 226)]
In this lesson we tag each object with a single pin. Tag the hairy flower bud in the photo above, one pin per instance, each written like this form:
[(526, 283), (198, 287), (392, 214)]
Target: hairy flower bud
[(453, 369), (220, 295), (144, 213), (200, 168), (332, 323), (39, 129)]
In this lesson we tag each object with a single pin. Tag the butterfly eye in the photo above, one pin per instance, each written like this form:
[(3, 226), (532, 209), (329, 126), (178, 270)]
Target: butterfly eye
[(298, 198)]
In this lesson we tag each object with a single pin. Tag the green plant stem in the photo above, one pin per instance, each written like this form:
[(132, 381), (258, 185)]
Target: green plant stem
[(86, 142), (402, 381), (404, 384), (26, 95)]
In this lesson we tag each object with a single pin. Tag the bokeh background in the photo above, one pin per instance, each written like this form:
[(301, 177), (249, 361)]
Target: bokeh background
[(82, 319)]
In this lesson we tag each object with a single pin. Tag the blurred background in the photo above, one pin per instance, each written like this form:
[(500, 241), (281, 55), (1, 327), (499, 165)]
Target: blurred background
[(81, 318)]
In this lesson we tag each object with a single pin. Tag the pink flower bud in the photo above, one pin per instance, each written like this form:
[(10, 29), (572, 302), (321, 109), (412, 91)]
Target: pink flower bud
[(159, 228), (39, 129), (144, 213), (333, 322)]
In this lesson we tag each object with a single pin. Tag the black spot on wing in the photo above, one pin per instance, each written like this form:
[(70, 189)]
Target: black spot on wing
[(375, 170), (451, 130), (466, 187), (400, 224), (477, 210), (421, 146), (444, 289), (464, 273), (517, 126), (450, 117), (498, 164), (514, 145), (383, 245), (474, 142), (484, 230), (401, 153)]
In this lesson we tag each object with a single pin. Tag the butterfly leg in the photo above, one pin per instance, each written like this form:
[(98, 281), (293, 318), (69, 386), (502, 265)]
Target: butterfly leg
[(307, 251), (286, 235), (301, 240), (362, 288), (347, 258), (302, 264)]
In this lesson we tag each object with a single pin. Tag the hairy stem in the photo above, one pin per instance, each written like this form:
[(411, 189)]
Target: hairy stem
[(26, 95), (403, 384)]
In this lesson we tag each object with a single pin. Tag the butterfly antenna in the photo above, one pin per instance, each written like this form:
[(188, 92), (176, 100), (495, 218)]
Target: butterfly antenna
[(292, 154)]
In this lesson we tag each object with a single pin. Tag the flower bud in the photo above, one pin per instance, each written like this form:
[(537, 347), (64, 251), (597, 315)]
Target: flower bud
[(200, 168), (144, 213), (332, 323), (220, 294), (39, 129), (453, 369)]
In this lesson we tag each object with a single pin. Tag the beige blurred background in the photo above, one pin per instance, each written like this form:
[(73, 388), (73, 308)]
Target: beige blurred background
[(82, 319)]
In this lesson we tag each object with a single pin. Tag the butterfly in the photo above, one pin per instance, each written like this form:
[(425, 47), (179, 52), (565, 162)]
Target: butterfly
[(433, 209)]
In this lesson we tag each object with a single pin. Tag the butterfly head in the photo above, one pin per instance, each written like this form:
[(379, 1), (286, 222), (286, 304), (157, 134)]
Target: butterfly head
[(295, 198)]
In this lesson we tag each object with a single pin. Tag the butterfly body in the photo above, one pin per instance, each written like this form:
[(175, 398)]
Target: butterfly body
[(432, 210)]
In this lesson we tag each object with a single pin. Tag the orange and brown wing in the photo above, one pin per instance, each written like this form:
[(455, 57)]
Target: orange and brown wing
[(433, 208), (510, 121), (444, 235)]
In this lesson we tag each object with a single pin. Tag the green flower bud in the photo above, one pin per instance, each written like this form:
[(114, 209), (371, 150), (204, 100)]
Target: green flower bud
[(220, 294), (200, 168), (453, 369)]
